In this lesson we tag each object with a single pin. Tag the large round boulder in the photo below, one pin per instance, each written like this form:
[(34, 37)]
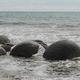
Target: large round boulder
[(4, 39), (62, 50), (25, 49)]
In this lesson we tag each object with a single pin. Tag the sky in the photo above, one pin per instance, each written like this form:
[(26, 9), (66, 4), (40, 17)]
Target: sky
[(39, 5)]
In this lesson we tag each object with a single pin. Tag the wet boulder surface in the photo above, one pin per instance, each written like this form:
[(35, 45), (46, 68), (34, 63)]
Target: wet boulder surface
[(5, 42), (25, 49), (7, 46), (2, 51), (4, 39), (62, 50)]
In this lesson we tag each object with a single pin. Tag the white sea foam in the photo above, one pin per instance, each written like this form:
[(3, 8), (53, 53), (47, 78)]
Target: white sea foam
[(41, 27)]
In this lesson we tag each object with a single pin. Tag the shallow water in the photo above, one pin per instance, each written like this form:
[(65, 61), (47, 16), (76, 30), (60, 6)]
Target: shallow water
[(49, 27), (36, 67)]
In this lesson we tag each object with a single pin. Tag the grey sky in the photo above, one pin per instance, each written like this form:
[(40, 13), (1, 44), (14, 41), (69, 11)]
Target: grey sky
[(39, 5)]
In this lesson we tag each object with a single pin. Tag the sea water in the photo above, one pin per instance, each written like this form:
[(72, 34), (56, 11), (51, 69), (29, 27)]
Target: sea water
[(49, 27)]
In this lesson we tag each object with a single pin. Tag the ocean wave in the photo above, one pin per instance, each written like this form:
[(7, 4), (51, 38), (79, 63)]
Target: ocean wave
[(68, 25), (14, 23), (25, 23)]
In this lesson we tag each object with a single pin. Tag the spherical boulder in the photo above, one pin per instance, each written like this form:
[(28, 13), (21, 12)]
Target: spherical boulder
[(2, 51), (25, 49), (62, 50), (4, 39)]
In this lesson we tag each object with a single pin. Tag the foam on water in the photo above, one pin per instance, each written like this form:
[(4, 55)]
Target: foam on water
[(46, 27)]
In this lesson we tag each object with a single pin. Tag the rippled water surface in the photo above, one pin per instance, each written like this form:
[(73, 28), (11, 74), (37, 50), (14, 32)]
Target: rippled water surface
[(36, 67)]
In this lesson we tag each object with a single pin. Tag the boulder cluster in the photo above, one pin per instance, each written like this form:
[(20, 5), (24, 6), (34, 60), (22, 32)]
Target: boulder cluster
[(59, 50)]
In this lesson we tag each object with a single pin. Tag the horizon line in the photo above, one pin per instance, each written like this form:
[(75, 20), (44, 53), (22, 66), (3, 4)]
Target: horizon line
[(39, 11)]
